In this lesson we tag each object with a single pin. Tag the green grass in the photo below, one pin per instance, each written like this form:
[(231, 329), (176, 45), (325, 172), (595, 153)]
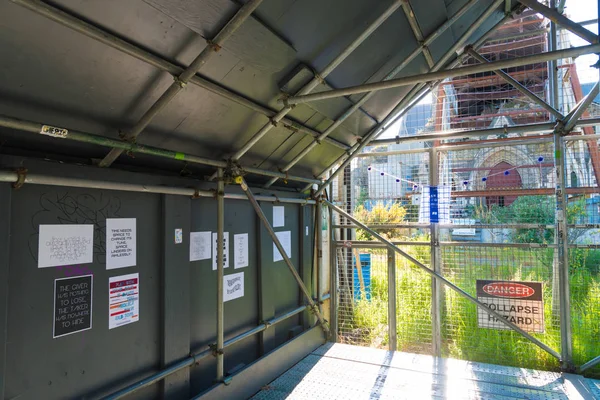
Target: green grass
[(366, 322)]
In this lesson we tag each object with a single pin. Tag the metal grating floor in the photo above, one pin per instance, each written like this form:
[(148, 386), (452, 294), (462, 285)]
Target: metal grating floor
[(339, 371)]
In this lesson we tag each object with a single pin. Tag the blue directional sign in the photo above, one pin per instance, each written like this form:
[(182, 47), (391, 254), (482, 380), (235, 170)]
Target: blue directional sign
[(434, 214)]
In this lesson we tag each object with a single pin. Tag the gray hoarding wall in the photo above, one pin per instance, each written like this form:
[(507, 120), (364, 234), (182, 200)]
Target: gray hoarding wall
[(172, 310)]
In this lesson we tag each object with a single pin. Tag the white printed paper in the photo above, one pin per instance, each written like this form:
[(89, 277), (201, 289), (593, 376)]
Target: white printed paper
[(278, 216), (65, 245), (199, 246), (285, 238), (240, 250), (178, 236), (225, 250), (233, 286), (123, 300), (120, 242)]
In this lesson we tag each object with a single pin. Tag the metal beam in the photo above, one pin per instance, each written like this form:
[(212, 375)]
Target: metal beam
[(392, 322), (451, 73), (578, 111), (220, 274), (562, 252), (445, 281), (79, 136), (318, 78), (437, 294), (212, 47), (517, 85), (286, 259), (196, 357), (397, 113), (418, 92), (38, 179), (366, 97), (414, 25), (589, 364), (117, 43), (561, 20), (536, 128)]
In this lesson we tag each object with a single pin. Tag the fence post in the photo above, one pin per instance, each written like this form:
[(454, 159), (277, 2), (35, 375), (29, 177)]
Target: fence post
[(392, 324), (563, 253), (435, 262)]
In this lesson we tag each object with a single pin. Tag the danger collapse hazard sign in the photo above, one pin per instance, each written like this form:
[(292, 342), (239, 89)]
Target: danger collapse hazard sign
[(519, 302)]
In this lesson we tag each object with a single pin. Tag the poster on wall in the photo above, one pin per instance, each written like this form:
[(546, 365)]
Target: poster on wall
[(200, 246), (72, 305), (285, 238), (123, 300), (233, 286), (65, 245), (278, 216), (225, 250), (240, 250), (120, 242), (518, 302)]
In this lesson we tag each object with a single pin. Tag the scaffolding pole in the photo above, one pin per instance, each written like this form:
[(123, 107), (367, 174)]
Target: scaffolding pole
[(562, 253), (263, 218), (61, 133), (180, 82), (366, 97), (414, 25), (535, 128), (450, 73), (318, 78), (436, 264), (417, 92), (115, 42), (561, 20), (517, 85), (220, 195)]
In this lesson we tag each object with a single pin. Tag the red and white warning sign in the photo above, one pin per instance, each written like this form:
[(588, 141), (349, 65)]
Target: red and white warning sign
[(521, 303)]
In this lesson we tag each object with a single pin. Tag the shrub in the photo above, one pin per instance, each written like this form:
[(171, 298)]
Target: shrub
[(380, 214)]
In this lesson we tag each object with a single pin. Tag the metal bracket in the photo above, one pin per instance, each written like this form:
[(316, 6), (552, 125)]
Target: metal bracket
[(214, 350), (215, 47), (178, 81), (196, 194), (22, 174)]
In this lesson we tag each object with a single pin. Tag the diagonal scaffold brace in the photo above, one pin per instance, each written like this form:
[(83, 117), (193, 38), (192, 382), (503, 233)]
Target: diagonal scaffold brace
[(263, 218)]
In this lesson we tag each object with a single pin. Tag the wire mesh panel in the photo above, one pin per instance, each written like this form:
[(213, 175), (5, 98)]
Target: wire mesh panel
[(413, 302), (479, 210), (583, 217), (363, 297), (463, 335)]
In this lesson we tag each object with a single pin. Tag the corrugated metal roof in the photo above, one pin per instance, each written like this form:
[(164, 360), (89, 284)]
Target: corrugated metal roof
[(57, 76)]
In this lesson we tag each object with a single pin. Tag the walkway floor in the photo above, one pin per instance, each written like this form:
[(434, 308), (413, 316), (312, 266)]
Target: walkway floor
[(339, 371)]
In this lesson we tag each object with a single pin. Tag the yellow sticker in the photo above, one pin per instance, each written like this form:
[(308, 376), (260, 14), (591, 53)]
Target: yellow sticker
[(54, 131), (179, 156)]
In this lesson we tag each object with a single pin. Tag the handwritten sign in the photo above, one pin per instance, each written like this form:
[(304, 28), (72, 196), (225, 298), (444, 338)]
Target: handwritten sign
[(233, 286), (65, 244), (240, 250), (123, 300), (72, 305), (200, 246), (120, 242), (225, 250), (285, 238)]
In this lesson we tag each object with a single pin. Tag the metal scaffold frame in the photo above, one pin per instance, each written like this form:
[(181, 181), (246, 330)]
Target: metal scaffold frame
[(230, 169)]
